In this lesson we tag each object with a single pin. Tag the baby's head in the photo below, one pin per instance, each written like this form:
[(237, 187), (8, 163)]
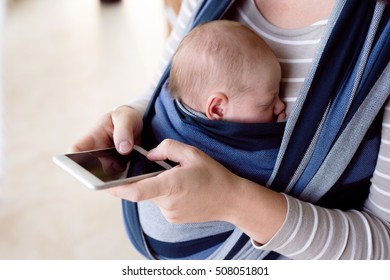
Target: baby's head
[(226, 71)]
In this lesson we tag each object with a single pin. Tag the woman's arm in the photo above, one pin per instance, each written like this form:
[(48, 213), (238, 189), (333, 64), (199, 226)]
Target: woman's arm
[(312, 232)]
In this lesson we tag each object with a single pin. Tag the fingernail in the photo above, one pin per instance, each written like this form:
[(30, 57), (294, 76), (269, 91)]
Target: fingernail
[(124, 147), (153, 154)]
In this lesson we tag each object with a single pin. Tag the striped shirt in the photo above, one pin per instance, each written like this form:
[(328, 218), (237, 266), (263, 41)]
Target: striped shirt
[(309, 231)]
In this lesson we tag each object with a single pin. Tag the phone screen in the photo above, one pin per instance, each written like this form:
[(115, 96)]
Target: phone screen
[(109, 165)]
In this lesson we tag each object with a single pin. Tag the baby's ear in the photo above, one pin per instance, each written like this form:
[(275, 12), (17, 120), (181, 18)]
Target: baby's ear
[(216, 106)]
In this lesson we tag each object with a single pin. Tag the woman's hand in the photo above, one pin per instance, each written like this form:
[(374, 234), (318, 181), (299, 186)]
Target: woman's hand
[(197, 190), (120, 128), (200, 189)]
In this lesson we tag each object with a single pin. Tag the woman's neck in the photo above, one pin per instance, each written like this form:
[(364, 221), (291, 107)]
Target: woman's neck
[(289, 14)]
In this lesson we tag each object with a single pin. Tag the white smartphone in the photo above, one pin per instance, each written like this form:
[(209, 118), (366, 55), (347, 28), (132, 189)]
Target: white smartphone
[(106, 168)]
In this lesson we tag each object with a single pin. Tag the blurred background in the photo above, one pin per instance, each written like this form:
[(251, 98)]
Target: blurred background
[(64, 64)]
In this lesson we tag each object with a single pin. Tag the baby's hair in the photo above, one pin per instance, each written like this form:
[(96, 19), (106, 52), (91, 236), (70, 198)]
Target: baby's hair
[(217, 55)]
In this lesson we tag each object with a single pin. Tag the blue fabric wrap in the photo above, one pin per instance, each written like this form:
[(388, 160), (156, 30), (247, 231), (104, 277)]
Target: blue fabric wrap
[(193, 249), (351, 190), (334, 74), (331, 86), (248, 149)]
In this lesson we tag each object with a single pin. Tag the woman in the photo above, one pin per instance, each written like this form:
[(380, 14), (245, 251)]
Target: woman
[(329, 196)]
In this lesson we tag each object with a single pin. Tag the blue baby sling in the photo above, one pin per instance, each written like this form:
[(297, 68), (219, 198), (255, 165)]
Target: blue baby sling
[(232, 144), (329, 145)]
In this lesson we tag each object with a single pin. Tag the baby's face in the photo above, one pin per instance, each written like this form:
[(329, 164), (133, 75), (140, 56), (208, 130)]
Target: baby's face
[(259, 107), (261, 104)]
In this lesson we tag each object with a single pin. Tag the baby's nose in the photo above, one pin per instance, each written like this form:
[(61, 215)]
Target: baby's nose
[(279, 107)]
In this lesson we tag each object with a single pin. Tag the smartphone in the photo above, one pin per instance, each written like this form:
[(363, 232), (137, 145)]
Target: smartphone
[(106, 168)]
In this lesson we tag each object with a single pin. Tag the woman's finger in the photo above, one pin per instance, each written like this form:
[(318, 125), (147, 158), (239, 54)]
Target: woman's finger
[(127, 124), (145, 189), (174, 151)]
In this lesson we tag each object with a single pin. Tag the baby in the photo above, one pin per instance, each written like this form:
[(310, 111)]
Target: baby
[(225, 71)]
